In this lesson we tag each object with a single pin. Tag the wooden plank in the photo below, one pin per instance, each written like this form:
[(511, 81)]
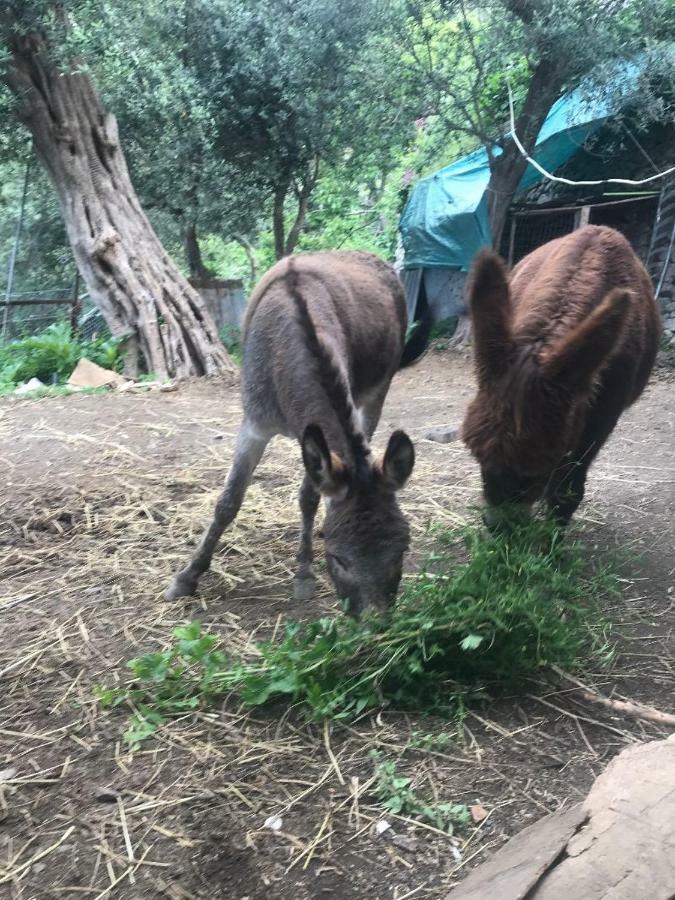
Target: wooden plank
[(584, 216), (40, 302), (553, 210)]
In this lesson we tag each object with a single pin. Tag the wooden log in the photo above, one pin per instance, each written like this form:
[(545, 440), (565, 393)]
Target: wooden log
[(619, 843)]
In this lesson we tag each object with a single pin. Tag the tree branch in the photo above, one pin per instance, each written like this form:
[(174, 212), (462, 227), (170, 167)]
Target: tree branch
[(306, 188)]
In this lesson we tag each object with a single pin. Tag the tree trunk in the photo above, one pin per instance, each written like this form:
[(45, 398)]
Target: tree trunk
[(193, 253), (462, 336), (507, 169), (285, 244), (249, 250), (129, 275), (302, 194), (278, 223)]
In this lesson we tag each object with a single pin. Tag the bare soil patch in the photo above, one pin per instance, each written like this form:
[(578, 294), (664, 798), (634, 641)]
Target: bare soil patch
[(103, 494)]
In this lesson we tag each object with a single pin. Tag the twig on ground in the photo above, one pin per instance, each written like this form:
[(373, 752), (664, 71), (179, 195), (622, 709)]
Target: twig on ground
[(331, 755), (627, 707), (11, 875)]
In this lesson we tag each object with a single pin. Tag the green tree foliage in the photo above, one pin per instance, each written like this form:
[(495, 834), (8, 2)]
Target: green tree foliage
[(255, 127), (464, 52), (300, 87)]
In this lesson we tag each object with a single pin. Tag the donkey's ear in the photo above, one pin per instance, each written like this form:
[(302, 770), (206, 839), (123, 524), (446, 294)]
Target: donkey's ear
[(490, 304), (575, 360), (398, 460), (326, 470)]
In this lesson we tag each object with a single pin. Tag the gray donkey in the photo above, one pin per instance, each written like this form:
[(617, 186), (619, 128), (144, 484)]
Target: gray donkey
[(323, 337)]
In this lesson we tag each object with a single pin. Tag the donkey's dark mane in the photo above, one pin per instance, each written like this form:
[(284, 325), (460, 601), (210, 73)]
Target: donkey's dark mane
[(330, 377)]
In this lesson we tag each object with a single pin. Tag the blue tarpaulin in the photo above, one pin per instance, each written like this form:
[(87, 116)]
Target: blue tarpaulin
[(445, 220)]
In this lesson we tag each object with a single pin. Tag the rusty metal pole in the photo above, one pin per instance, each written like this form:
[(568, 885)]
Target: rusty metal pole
[(15, 248), (76, 308)]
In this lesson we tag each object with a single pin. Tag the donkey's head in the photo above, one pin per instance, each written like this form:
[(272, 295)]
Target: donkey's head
[(365, 532), (530, 404)]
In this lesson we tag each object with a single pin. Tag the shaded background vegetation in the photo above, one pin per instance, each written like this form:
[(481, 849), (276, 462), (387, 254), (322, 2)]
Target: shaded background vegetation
[(254, 128)]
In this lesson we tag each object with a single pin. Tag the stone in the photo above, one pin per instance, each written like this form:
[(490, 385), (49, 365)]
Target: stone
[(274, 823), (444, 434), (478, 813), (33, 385), (619, 843), (410, 844), (106, 795), (88, 374)]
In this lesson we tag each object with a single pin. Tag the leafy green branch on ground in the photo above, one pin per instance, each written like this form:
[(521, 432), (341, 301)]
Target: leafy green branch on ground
[(517, 604), (397, 796)]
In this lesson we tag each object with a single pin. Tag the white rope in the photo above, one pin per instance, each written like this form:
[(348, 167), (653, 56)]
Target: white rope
[(560, 180)]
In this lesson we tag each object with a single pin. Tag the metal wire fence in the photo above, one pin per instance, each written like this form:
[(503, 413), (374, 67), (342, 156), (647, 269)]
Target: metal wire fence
[(24, 313)]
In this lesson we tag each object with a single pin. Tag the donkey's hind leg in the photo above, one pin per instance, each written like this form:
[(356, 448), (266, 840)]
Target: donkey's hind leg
[(304, 581), (248, 451)]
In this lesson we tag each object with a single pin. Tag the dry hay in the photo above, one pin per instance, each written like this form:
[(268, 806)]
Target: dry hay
[(81, 582)]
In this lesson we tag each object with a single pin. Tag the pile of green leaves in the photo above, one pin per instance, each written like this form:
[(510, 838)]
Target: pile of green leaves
[(53, 352), (520, 602)]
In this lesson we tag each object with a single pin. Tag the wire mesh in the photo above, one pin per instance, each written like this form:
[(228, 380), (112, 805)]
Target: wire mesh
[(531, 232), (633, 218), (30, 312)]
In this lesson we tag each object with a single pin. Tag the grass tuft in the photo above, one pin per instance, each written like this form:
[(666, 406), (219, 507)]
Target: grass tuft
[(518, 603)]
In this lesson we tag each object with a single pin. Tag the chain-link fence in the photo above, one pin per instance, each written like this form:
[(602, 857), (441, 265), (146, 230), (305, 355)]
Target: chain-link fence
[(530, 228), (25, 313)]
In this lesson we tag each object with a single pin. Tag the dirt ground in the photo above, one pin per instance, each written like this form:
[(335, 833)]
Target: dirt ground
[(103, 495)]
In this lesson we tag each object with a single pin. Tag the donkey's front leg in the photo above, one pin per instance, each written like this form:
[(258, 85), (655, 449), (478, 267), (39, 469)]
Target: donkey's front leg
[(304, 581), (248, 451)]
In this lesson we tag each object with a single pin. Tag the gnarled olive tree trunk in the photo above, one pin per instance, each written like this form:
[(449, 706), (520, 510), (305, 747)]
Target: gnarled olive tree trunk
[(129, 275)]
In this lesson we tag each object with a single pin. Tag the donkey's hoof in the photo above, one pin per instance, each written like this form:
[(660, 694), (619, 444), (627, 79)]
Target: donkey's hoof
[(303, 588), (180, 587)]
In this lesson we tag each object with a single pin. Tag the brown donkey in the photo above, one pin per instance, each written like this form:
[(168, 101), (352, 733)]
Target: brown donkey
[(562, 347), (323, 337)]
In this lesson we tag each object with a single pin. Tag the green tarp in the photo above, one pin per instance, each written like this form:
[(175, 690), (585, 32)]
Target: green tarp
[(446, 218)]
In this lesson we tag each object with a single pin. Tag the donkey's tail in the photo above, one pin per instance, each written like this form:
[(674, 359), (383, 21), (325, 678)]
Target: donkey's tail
[(418, 333)]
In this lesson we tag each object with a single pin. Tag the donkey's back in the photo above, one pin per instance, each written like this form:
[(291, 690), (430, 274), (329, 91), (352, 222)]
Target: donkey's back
[(357, 306), (557, 286)]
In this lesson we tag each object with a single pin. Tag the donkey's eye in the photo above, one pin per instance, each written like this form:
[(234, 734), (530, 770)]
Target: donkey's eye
[(338, 560)]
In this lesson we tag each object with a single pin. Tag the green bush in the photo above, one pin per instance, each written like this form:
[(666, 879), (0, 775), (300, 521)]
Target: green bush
[(230, 335), (53, 352)]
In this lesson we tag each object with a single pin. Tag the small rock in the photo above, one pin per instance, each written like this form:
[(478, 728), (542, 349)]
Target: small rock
[(33, 385), (381, 826), (274, 823), (106, 795), (478, 813), (410, 844), (443, 434), (169, 387), (7, 774)]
